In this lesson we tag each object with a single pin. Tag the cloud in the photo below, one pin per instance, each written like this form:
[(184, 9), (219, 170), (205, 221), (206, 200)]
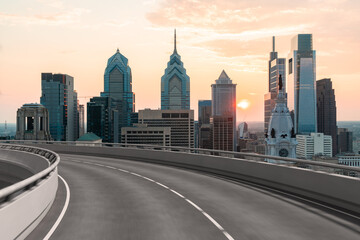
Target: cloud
[(56, 19)]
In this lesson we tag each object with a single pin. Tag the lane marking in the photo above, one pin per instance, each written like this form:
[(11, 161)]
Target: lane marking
[(218, 226), (56, 224)]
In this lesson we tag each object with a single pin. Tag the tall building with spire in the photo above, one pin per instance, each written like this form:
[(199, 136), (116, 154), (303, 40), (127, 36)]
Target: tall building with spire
[(175, 84), (301, 83), (276, 68), (280, 140), (115, 108), (223, 120)]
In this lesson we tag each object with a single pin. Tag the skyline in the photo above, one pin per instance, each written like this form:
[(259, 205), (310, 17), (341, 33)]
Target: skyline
[(67, 38)]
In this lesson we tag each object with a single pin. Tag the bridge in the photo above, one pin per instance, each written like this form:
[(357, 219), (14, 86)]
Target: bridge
[(61, 190)]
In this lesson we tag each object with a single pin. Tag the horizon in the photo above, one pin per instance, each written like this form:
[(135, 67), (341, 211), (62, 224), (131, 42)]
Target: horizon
[(66, 37)]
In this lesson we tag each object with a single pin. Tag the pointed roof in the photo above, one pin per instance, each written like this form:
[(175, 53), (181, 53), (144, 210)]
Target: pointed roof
[(118, 57), (223, 76)]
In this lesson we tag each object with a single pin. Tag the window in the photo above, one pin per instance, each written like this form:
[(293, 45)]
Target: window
[(290, 66)]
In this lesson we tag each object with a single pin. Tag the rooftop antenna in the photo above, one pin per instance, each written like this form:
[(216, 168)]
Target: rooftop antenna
[(175, 41), (273, 43)]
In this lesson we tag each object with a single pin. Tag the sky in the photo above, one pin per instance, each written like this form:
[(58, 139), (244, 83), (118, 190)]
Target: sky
[(76, 37)]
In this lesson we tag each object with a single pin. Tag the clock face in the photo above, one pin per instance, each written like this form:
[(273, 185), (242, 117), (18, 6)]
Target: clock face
[(283, 152)]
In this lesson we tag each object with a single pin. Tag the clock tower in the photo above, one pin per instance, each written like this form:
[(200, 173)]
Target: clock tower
[(280, 140)]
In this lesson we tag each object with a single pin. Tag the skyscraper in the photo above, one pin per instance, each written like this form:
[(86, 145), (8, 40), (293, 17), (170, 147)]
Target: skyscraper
[(345, 141), (326, 110), (175, 84), (81, 120), (115, 108), (301, 83), (276, 68), (223, 110), (204, 127), (59, 97)]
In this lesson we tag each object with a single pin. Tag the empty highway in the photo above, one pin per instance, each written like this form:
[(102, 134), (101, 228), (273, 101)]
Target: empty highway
[(121, 199)]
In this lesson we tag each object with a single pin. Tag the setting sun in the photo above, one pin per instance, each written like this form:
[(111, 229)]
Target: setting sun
[(244, 104)]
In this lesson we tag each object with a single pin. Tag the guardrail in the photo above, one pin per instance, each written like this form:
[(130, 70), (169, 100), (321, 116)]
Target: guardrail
[(309, 164), (9, 192)]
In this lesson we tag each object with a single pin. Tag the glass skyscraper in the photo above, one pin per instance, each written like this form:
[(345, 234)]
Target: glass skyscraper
[(301, 85), (175, 84), (59, 97)]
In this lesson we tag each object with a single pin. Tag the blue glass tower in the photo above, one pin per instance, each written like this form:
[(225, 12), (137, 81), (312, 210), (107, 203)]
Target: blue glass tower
[(301, 83), (175, 84)]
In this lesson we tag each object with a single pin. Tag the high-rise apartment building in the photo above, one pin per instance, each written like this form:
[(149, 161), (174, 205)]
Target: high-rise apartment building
[(59, 97), (115, 108), (326, 110), (345, 141), (313, 144), (181, 123), (175, 84), (223, 106), (276, 68), (301, 86)]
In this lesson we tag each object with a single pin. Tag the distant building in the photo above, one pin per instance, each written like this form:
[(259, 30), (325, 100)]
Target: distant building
[(352, 160), (175, 84), (181, 123), (59, 97), (223, 112), (204, 110), (89, 139), (312, 145), (243, 130), (277, 67), (326, 110), (32, 122), (345, 141), (115, 107), (81, 120), (301, 93), (143, 134), (280, 139)]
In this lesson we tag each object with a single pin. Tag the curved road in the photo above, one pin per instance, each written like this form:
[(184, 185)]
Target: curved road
[(121, 199)]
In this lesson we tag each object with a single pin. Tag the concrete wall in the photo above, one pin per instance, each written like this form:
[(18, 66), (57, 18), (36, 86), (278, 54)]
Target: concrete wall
[(331, 189)]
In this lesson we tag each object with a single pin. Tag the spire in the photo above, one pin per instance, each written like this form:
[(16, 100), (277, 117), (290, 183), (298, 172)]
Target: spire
[(175, 41), (273, 43), (117, 50)]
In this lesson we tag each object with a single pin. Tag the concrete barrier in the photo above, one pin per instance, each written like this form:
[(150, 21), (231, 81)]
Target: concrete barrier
[(337, 190)]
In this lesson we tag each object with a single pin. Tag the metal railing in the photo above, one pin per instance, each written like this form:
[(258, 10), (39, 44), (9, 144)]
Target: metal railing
[(301, 163), (11, 191)]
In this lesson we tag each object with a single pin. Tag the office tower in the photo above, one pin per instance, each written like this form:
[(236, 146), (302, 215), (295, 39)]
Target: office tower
[(313, 144), (115, 107), (81, 120), (222, 132), (345, 141), (143, 134), (243, 130), (276, 68), (301, 83), (326, 110), (204, 128), (175, 84), (181, 123), (32, 122), (223, 110), (59, 97), (280, 139)]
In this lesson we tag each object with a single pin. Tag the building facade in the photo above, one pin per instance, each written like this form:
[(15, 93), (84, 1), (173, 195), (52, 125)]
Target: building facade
[(352, 160), (345, 141), (222, 132), (115, 107), (143, 134), (277, 67), (326, 110), (301, 84), (223, 105), (81, 120), (204, 127), (312, 145), (32, 123), (175, 84), (181, 123), (280, 139), (59, 97)]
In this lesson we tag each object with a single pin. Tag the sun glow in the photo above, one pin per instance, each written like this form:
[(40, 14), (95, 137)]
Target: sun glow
[(243, 104)]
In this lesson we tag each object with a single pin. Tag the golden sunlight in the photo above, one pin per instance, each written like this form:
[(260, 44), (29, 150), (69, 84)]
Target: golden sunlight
[(244, 104)]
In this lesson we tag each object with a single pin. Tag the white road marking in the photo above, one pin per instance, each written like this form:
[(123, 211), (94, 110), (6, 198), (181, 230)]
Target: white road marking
[(226, 234), (56, 224)]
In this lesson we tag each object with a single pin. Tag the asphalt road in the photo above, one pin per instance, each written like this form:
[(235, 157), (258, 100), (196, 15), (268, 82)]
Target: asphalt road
[(121, 199)]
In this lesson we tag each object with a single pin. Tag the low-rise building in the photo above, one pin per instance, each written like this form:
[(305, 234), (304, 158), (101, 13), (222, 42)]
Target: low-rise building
[(143, 134), (313, 144)]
